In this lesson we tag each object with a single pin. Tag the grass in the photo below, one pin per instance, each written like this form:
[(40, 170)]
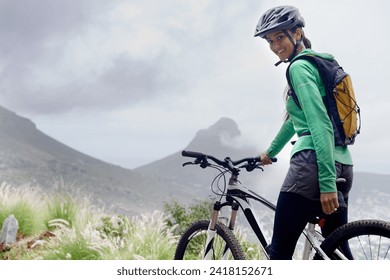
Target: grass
[(64, 225)]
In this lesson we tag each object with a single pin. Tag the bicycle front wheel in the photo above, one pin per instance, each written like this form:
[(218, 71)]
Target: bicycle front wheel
[(224, 245), (367, 240)]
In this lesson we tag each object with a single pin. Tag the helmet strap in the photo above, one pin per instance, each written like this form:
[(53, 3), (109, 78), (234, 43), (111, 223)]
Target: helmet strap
[(296, 45)]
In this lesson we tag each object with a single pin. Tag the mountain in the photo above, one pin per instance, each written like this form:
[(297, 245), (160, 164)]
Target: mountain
[(28, 156), (220, 140)]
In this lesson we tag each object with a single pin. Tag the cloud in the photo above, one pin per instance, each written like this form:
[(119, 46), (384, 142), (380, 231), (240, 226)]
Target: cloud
[(26, 27), (165, 69), (34, 37), (124, 82), (63, 56)]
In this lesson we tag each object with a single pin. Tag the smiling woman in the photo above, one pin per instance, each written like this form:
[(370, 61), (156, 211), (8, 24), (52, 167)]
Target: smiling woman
[(310, 184), (282, 28), (281, 45)]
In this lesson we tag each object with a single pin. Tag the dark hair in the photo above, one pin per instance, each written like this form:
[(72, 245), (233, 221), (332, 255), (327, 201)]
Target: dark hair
[(306, 42)]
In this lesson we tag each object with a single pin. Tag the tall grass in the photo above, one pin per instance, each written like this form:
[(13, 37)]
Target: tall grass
[(25, 204), (65, 225), (61, 226)]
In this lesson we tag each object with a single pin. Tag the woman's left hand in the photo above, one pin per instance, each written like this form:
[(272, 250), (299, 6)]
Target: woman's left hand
[(329, 202)]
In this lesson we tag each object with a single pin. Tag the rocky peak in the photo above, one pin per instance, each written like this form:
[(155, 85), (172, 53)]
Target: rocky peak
[(216, 135)]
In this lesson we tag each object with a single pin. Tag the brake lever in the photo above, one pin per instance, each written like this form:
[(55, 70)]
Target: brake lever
[(250, 167), (202, 162), (259, 167)]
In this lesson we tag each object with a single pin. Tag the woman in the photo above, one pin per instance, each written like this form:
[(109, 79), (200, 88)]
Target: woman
[(310, 184)]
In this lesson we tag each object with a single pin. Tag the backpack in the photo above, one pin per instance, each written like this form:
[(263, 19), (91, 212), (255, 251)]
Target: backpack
[(339, 99)]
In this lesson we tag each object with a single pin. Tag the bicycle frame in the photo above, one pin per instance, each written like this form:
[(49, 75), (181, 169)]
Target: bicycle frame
[(238, 196)]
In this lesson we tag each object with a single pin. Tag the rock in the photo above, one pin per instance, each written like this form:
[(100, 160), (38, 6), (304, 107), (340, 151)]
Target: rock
[(9, 230)]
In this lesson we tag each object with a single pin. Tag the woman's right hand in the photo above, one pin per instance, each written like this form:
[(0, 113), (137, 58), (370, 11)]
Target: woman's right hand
[(265, 159)]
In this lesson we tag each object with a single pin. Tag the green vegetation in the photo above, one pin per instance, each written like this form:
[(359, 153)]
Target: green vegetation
[(180, 218), (66, 226)]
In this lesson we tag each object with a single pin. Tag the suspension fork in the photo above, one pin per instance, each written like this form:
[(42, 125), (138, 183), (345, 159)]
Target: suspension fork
[(233, 216), (235, 206), (212, 231), (215, 215)]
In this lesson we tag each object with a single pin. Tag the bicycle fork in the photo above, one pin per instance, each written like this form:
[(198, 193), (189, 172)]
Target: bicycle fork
[(212, 230)]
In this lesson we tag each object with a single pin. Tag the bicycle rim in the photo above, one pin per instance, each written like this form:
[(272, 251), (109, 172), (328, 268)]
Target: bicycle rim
[(367, 240), (192, 244)]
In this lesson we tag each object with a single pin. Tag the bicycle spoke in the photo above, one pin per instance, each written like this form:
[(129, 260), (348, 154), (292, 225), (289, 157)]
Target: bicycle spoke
[(361, 246), (366, 240), (379, 248), (387, 252), (370, 247)]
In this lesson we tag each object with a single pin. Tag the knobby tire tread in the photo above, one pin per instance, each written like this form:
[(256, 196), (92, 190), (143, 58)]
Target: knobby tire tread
[(354, 229), (202, 225)]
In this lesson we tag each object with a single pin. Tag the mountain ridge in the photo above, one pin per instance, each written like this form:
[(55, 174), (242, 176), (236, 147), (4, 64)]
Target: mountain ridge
[(29, 156)]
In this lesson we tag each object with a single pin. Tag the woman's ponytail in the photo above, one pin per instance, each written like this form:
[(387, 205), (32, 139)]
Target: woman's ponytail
[(306, 42)]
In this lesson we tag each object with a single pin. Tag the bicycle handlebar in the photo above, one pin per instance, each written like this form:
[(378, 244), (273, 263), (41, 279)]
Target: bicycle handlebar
[(202, 160)]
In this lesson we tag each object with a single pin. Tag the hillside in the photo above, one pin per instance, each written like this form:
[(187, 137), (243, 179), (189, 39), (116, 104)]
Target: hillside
[(28, 156)]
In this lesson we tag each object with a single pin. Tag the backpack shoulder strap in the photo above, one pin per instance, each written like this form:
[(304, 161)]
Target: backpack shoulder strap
[(291, 91), (327, 69)]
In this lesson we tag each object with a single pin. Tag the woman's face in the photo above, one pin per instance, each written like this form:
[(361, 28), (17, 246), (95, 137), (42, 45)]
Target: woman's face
[(280, 44)]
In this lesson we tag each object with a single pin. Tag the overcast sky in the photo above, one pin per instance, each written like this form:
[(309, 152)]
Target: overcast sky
[(130, 82)]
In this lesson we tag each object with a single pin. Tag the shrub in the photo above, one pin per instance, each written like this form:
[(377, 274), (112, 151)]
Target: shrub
[(182, 217)]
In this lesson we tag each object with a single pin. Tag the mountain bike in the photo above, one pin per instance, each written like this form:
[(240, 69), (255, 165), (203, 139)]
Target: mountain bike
[(215, 239)]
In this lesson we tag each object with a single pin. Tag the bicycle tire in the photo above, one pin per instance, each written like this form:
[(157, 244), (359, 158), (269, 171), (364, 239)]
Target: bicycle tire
[(367, 239), (192, 243)]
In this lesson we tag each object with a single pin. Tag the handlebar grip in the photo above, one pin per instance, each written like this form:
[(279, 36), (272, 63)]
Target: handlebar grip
[(274, 159), (191, 154)]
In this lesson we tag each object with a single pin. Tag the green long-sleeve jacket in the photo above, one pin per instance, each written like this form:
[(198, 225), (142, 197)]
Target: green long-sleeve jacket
[(313, 118)]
